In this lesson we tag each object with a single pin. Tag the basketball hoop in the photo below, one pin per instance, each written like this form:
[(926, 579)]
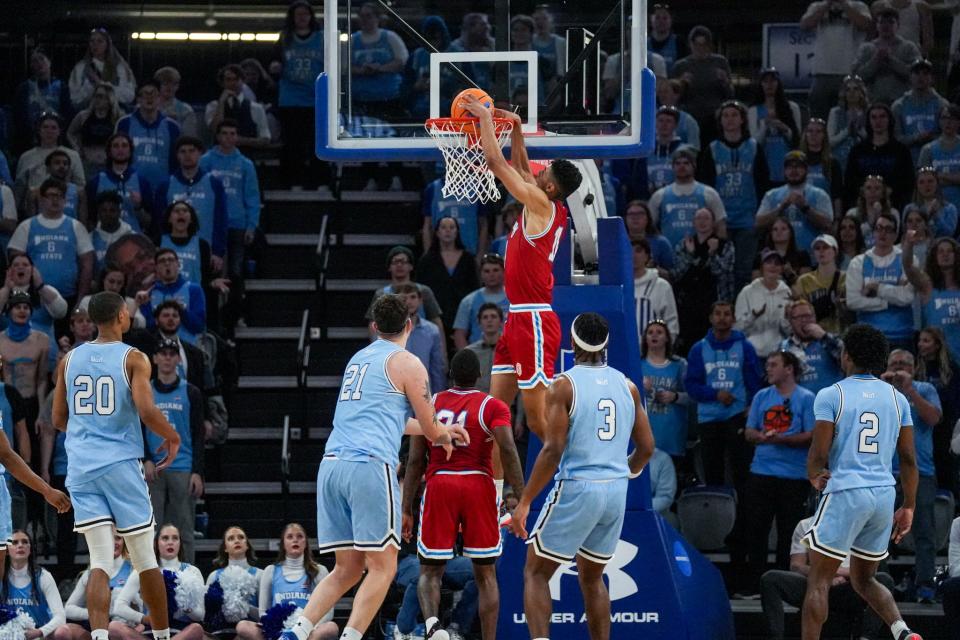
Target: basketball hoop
[(467, 175)]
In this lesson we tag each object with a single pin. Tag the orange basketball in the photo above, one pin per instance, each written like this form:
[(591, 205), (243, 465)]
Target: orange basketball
[(457, 109)]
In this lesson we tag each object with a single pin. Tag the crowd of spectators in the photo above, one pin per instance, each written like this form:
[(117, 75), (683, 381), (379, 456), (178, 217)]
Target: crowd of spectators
[(762, 226)]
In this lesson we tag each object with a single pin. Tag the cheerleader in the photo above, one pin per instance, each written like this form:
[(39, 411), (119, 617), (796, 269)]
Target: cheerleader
[(290, 580), (78, 625), (32, 591), (132, 618), (235, 551)]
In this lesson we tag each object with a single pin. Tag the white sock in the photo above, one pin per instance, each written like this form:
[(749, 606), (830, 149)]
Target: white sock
[(430, 622), (897, 628), (161, 634), (99, 634), (350, 633), (302, 628), (541, 639)]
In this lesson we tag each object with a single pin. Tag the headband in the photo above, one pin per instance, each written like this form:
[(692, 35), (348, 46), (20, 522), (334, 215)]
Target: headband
[(591, 348)]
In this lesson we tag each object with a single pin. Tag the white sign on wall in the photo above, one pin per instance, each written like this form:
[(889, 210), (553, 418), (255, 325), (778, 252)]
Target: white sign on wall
[(790, 49)]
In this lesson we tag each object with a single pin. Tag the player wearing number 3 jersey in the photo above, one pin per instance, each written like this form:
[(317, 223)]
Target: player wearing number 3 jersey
[(861, 423), (593, 412)]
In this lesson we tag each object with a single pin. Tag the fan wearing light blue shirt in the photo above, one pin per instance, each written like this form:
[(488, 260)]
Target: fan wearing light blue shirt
[(861, 423), (807, 207), (466, 326), (926, 411), (780, 425)]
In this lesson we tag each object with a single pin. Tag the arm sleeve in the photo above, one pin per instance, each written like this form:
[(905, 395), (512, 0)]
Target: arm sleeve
[(695, 380), (822, 203), (18, 241), (856, 301), (953, 553), (54, 603), (266, 588), (126, 84), (220, 219), (259, 116), (835, 131), (754, 420), (76, 606), (683, 398), (195, 316), (758, 129), (84, 245), (743, 314), (197, 431), (663, 482), (715, 203), (496, 414), (826, 404), (251, 196)]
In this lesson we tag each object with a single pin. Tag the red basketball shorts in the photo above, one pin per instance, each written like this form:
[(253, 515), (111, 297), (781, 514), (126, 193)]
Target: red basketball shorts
[(455, 502), (529, 345)]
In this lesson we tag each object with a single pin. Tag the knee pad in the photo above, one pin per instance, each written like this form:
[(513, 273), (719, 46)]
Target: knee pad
[(140, 548), (100, 544)]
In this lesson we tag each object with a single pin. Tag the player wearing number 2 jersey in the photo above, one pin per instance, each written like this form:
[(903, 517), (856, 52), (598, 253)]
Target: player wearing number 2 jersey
[(460, 496), (594, 412), (861, 423), (103, 392)]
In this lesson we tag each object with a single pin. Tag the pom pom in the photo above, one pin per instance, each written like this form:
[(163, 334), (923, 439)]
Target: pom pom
[(213, 619), (170, 584), (239, 587), (16, 622), (292, 619), (275, 619), (189, 592)]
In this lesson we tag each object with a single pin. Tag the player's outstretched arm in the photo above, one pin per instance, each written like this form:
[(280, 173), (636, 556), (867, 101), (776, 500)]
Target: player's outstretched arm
[(523, 190), (60, 411), (19, 470), (642, 435), (410, 376), (138, 371), (909, 479), (819, 454), (557, 427)]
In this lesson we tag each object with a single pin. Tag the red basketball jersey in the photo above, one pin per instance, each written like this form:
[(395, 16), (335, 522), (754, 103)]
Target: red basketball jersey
[(528, 263), (480, 414)]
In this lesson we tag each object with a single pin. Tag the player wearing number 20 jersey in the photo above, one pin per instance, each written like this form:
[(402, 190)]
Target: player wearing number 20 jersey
[(460, 493), (104, 440), (855, 514)]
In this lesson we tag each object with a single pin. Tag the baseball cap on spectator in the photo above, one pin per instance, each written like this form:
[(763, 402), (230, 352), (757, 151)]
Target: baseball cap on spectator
[(168, 344), (826, 239), (19, 296), (769, 254), (397, 250), (795, 157), (769, 71)]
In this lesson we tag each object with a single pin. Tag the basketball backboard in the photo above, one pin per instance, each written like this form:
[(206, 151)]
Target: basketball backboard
[(372, 100)]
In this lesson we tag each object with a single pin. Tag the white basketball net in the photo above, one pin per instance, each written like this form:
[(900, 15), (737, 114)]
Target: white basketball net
[(467, 175)]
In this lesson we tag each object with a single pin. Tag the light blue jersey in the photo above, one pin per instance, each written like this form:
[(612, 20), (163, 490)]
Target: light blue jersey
[(676, 212), (54, 253), (302, 63), (175, 405), (867, 414), (667, 421), (371, 412), (735, 184), (467, 214), (296, 591), (104, 425), (943, 310), (601, 421), (803, 230), (189, 253), (946, 161)]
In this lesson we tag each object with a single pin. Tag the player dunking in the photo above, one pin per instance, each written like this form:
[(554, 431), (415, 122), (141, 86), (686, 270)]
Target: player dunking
[(358, 498), (527, 350), (460, 494), (593, 412), (103, 392), (861, 423)]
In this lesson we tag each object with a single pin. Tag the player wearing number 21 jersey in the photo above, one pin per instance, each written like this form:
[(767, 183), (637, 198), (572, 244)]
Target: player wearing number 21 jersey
[(861, 423)]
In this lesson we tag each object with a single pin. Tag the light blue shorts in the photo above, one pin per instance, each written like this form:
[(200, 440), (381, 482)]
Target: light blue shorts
[(853, 521), (583, 518), (358, 505), (6, 519), (119, 497)]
